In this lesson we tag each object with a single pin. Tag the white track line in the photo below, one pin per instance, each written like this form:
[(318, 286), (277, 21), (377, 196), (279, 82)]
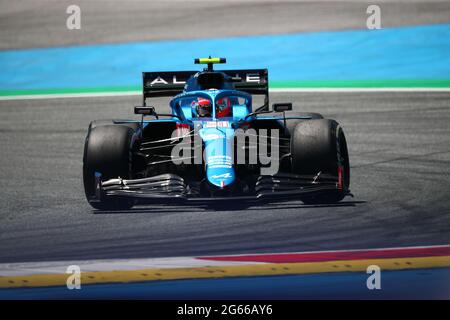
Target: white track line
[(275, 90), (71, 95), (56, 267)]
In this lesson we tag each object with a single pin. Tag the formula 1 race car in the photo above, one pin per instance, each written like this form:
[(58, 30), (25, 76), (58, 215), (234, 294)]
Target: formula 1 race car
[(214, 146)]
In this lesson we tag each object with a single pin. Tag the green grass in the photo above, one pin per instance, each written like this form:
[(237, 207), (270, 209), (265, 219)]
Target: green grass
[(362, 84), (415, 83)]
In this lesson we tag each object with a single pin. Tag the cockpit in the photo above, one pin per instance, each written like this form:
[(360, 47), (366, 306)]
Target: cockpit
[(217, 105)]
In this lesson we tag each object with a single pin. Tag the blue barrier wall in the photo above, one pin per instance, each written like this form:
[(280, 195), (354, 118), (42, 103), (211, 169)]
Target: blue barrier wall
[(407, 53)]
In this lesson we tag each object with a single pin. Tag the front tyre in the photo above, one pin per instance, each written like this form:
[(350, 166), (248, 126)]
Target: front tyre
[(320, 146), (107, 151)]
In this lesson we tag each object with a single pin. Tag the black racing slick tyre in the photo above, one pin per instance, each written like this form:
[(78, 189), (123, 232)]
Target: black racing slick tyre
[(99, 123), (107, 151), (292, 123), (320, 146)]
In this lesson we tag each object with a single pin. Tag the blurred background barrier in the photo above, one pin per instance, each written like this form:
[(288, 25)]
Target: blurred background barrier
[(298, 51)]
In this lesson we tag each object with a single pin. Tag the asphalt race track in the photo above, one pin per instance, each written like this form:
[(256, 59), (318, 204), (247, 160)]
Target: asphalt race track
[(30, 24), (399, 146)]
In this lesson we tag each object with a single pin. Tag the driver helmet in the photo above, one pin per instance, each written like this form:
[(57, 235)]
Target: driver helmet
[(203, 107), (223, 107)]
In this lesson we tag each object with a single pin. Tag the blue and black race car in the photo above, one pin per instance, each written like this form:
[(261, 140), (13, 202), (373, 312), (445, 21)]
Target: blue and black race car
[(214, 145)]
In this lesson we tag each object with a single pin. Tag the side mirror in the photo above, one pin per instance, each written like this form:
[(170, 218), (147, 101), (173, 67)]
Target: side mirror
[(281, 107), (146, 111)]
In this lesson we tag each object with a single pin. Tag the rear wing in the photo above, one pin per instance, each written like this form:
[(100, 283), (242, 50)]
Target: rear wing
[(164, 84), (171, 83)]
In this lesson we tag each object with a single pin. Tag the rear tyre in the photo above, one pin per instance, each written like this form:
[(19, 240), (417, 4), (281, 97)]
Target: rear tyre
[(292, 123), (100, 123), (108, 151), (320, 146)]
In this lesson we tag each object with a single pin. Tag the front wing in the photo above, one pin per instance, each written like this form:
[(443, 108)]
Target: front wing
[(173, 188)]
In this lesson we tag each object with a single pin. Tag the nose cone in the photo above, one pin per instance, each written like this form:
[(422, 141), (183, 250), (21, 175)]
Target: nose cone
[(218, 157), (220, 177)]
